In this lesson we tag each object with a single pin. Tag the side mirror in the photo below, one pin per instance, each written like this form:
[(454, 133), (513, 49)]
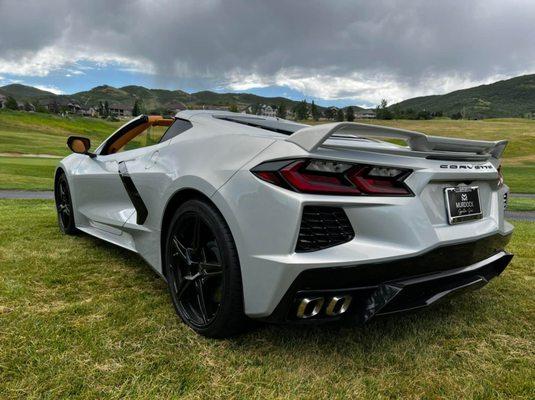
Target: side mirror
[(80, 145)]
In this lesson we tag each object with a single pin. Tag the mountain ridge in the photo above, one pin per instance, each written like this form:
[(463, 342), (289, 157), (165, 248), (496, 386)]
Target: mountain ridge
[(514, 97), (152, 99)]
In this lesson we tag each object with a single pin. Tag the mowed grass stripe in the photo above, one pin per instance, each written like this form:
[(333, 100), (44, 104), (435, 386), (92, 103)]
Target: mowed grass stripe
[(25, 173), (83, 319)]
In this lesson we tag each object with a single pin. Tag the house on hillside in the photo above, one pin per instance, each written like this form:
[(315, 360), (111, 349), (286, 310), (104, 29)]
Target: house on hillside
[(120, 110), (73, 107), (3, 100), (365, 114), (268, 111), (87, 112), (331, 112)]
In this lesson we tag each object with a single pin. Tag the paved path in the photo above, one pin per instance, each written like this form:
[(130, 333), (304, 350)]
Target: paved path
[(27, 194), (523, 195)]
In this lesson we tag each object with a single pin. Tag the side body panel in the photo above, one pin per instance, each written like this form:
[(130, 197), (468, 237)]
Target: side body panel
[(202, 158)]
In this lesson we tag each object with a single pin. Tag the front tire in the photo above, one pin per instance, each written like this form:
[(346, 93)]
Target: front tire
[(203, 271), (64, 206)]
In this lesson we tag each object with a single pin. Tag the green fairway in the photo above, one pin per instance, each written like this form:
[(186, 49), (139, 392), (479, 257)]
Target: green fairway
[(83, 319), (521, 204), (27, 173), (38, 133)]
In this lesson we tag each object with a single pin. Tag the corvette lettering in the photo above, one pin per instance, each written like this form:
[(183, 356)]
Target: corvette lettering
[(467, 166)]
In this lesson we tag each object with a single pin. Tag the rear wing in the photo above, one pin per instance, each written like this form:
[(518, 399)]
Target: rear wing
[(314, 137)]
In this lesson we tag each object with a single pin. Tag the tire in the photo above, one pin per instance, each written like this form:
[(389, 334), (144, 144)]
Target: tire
[(203, 271), (64, 206)]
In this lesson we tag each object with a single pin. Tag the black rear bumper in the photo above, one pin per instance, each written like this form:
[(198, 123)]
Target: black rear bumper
[(397, 286)]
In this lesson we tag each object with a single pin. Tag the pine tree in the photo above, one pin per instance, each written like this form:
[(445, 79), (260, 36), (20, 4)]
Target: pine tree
[(301, 110), (11, 103), (340, 115), (281, 110), (106, 109), (314, 111), (350, 115), (136, 109)]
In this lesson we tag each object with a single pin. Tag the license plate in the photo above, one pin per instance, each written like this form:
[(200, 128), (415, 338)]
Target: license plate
[(462, 204)]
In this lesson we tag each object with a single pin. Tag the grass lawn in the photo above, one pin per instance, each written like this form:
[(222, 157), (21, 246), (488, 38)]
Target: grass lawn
[(38, 133), (83, 319), (520, 204), (27, 173)]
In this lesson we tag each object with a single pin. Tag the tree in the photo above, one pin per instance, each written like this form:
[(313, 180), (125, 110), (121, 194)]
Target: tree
[(350, 115), (11, 103), (100, 108), (314, 111), (281, 110), (106, 109), (328, 113), (301, 110), (340, 115), (456, 115), (233, 108), (382, 112), (255, 109), (28, 106), (136, 110)]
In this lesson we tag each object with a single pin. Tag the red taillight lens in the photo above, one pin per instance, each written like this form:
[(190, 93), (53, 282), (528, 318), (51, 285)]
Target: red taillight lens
[(331, 177)]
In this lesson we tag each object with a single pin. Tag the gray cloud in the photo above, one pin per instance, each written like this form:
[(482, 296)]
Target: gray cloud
[(397, 48)]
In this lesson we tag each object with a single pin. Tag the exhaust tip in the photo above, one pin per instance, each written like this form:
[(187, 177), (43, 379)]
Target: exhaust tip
[(309, 307), (338, 305)]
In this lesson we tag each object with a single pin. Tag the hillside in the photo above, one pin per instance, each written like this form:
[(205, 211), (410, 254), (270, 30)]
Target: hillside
[(153, 99), (508, 98), (22, 92)]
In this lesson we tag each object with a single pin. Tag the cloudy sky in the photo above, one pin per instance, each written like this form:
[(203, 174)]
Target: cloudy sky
[(336, 52)]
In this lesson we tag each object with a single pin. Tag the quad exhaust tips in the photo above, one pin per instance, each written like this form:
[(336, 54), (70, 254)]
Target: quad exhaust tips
[(311, 306)]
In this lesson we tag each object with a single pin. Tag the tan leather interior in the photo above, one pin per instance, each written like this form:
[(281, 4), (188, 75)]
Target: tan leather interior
[(154, 120), (78, 146)]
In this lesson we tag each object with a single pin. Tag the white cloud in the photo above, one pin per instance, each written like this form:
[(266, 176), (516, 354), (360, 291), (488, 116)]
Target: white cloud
[(53, 58), (52, 89), (361, 87)]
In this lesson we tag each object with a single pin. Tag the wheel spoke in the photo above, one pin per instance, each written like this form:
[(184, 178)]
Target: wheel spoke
[(181, 250), (196, 236), (212, 269), (183, 288), (200, 299)]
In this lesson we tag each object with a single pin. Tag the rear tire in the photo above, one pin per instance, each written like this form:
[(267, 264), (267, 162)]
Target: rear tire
[(203, 271), (64, 206)]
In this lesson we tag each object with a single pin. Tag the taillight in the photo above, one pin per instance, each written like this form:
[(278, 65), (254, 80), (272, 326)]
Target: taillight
[(333, 177)]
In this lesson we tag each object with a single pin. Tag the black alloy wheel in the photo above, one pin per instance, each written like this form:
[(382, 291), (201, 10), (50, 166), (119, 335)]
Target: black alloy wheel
[(203, 272), (64, 207)]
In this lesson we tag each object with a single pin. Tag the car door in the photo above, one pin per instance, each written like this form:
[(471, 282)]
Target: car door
[(105, 192)]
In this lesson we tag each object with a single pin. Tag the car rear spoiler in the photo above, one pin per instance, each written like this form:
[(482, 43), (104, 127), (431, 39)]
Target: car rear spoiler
[(314, 137)]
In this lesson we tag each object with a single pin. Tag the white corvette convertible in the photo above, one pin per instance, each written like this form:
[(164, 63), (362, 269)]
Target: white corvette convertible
[(252, 217)]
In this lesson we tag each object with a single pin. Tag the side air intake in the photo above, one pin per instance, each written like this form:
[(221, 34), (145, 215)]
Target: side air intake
[(323, 227)]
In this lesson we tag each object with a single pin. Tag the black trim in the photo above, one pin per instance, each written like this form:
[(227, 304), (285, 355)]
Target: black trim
[(135, 197), (178, 127), (368, 280)]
